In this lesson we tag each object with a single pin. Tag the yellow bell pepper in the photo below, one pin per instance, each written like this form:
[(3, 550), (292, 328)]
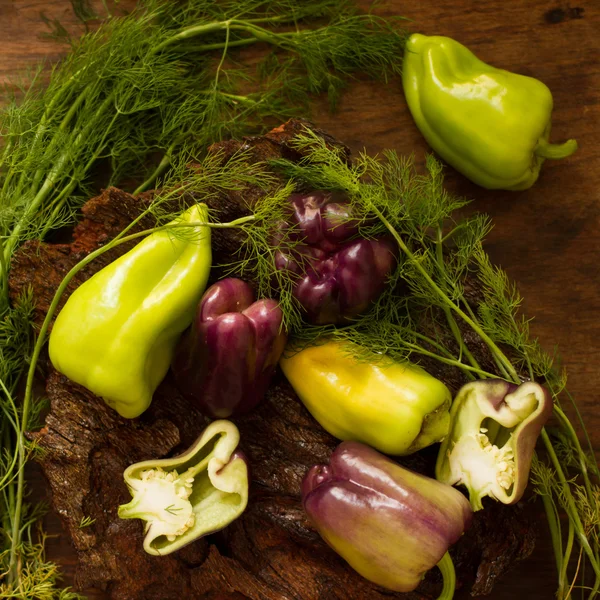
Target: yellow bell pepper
[(397, 408)]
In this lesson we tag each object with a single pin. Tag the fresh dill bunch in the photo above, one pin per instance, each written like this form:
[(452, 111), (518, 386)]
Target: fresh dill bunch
[(447, 303), (138, 96), (39, 578), (148, 83)]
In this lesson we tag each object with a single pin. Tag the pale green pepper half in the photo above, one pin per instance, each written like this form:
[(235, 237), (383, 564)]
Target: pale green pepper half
[(187, 497), (117, 332)]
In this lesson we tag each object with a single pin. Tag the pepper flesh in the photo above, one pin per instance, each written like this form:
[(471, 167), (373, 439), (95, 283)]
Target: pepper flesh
[(495, 426), (390, 524), (225, 363), (491, 125), (338, 275), (117, 331), (397, 408), (189, 496)]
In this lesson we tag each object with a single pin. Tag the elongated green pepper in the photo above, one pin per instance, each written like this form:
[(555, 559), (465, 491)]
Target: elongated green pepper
[(491, 125), (117, 332)]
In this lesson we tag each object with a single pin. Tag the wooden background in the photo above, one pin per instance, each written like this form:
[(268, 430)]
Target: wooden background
[(547, 238)]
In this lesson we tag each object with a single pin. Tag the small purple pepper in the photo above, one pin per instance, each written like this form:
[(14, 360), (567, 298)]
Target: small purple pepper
[(390, 524), (225, 362), (338, 278)]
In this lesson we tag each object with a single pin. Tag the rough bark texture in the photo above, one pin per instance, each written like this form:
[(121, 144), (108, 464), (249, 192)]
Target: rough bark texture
[(271, 552)]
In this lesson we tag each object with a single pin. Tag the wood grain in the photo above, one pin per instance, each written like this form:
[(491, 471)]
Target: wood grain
[(547, 238)]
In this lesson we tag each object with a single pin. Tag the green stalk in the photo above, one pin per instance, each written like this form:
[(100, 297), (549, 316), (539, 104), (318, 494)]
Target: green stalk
[(51, 180), (219, 45), (570, 507), (450, 361), (446, 566), (433, 343), (555, 529), (13, 571), (463, 348), (190, 32), (7, 148), (583, 463), (595, 468), (65, 122), (562, 572), (446, 300), (163, 165), (61, 198), (257, 34)]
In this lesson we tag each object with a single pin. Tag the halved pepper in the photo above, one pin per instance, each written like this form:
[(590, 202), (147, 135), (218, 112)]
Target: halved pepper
[(494, 427), (117, 332), (189, 496)]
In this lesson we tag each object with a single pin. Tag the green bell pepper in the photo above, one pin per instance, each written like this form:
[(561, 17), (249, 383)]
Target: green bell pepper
[(189, 496), (491, 125), (117, 332)]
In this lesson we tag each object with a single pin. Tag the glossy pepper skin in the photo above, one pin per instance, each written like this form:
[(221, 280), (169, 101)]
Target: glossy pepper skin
[(494, 429), (491, 125), (390, 524), (338, 277), (397, 408), (225, 363), (189, 496), (117, 331)]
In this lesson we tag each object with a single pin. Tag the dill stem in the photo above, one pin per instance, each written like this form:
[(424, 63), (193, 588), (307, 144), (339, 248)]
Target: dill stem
[(66, 120), (433, 343), (3, 274), (52, 178), (583, 464), (163, 165), (449, 361), (190, 32), (583, 467), (7, 148), (562, 572), (61, 198), (595, 468), (13, 570), (463, 348), (554, 526), (570, 507), (440, 293), (220, 45), (42, 124), (7, 179)]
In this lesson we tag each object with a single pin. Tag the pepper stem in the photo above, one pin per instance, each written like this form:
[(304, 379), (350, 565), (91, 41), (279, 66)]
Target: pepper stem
[(446, 566), (545, 149)]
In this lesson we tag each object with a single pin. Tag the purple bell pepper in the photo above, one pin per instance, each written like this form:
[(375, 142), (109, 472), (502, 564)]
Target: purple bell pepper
[(339, 275), (390, 524), (225, 362)]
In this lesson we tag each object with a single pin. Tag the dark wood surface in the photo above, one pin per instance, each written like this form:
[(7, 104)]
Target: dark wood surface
[(547, 238)]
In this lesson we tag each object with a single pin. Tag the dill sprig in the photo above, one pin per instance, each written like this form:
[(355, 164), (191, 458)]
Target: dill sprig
[(132, 101), (446, 302)]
